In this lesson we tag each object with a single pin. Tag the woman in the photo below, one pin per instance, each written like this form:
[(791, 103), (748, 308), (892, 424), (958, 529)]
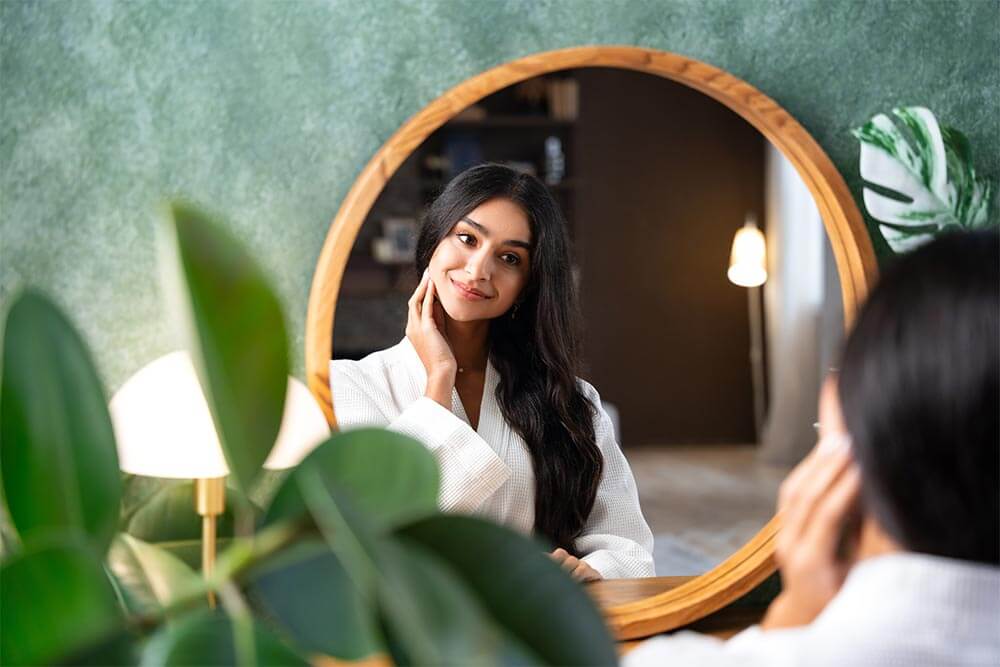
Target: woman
[(486, 378), (890, 545)]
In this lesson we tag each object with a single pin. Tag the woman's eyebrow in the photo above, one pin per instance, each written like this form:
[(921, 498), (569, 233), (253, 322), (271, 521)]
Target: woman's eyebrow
[(485, 232)]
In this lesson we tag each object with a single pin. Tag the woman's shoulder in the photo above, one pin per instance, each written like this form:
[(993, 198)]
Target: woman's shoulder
[(589, 391)]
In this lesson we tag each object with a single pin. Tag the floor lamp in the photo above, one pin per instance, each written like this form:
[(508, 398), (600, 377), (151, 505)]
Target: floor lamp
[(163, 428), (748, 268)]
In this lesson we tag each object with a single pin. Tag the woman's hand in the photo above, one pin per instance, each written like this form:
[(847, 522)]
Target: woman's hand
[(578, 569), (425, 329), (818, 502)]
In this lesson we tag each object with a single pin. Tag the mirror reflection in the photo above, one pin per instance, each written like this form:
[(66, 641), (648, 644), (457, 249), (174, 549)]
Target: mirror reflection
[(708, 385)]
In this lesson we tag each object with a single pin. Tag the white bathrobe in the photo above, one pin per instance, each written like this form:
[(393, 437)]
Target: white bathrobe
[(896, 610), (488, 471)]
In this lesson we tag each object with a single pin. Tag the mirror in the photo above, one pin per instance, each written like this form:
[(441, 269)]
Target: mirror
[(655, 177)]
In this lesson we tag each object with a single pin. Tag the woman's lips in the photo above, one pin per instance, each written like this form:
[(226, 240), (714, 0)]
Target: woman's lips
[(469, 293)]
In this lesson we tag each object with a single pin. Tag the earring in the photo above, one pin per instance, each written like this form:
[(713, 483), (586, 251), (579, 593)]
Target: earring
[(513, 311)]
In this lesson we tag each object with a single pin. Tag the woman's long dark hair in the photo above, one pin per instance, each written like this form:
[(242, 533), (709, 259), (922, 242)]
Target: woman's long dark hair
[(535, 349), (920, 396)]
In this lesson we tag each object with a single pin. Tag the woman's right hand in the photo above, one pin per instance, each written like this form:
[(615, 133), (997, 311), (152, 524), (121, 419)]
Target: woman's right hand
[(425, 329)]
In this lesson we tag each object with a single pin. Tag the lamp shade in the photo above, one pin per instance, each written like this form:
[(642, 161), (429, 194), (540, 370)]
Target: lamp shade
[(163, 426), (747, 261)]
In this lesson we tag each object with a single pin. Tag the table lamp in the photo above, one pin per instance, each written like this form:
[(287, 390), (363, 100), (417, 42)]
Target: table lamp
[(163, 428), (748, 268)]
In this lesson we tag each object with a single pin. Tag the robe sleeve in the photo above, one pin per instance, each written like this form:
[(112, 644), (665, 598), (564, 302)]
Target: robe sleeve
[(470, 470), (616, 541)]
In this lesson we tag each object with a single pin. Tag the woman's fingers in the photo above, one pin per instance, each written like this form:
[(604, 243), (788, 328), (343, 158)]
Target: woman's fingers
[(576, 567), (559, 555), (564, 558), (427, 306), (813, 486), (413, 305), (832, 511), (804, 470), (584, 572)]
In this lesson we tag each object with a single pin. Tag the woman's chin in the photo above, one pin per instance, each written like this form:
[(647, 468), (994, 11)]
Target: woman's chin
[(464, 313)]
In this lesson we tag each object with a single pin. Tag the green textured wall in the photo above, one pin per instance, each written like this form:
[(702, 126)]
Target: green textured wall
[(267, 111)]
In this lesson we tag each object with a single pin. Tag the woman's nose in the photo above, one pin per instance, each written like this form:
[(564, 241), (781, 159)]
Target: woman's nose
[(479, 266)]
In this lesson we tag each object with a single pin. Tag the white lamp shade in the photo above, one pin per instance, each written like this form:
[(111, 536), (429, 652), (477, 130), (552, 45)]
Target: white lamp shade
[(747, 262), (303, 426), (163, 426)]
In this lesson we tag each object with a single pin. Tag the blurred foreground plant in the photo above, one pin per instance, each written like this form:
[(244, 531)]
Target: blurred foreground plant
[(345, 556)]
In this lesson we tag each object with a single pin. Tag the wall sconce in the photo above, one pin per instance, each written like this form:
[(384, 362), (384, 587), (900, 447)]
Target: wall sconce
[(163, 428), (748, 259), (748, 268)]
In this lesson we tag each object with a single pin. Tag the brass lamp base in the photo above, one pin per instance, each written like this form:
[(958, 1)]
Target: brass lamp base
[(209, 502)]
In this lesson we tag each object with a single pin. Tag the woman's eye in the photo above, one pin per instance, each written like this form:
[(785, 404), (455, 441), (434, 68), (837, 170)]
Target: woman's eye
[(510, 258), (467, 239)]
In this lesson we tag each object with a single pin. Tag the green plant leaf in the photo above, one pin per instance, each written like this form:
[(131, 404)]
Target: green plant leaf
[(428, 615), (235, 331), (390, 477), (421, 594), (60, 466), (520, 587), (55, 601), (206, 638), (149, 578), (927, 169), (307, 594)]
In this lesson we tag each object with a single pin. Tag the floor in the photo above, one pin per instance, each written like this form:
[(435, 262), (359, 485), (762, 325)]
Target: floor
[(702, 502)]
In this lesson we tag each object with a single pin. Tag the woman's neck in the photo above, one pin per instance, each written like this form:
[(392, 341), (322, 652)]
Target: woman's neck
[(874, 541), (468, 342)]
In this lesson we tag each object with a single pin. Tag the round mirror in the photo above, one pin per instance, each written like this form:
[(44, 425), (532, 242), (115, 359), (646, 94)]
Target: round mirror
[(718, 255)]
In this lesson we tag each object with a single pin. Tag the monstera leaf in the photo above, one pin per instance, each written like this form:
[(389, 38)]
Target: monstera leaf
[(927, 169)]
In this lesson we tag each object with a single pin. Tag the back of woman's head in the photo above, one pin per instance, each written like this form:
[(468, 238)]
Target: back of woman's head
[(919, 391)]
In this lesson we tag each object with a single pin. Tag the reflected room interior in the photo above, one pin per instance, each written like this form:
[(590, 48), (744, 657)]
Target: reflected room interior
[(711, 384)]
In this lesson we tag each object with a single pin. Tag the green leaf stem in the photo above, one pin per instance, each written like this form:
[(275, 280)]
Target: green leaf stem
[(150, 578)]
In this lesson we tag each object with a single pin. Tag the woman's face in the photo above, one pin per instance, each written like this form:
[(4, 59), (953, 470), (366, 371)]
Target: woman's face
[(481, 266)]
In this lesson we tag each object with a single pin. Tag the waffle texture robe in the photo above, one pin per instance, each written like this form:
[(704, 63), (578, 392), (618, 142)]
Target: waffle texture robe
[(488, 471), (895, 610)]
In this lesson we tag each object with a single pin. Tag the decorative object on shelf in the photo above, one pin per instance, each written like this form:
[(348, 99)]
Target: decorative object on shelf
[(555, 161), (532, 94), (928, 170), (748, 268), (564, 98), (462, 149), (398, 243), (163, 428)]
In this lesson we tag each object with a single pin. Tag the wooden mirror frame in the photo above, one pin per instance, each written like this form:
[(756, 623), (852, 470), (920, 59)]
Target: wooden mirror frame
[(852, 250)]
